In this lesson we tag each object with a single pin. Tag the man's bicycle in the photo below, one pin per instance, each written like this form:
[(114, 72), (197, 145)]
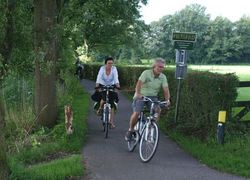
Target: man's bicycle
[(106, 113), (146, 131)]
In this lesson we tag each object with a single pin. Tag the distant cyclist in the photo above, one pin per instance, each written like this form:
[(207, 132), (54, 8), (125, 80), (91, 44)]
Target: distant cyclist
[(79, 68), (149, 84), (108, 75)]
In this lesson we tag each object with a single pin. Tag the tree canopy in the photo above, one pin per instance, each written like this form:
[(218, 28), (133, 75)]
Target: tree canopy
[(219, 41)]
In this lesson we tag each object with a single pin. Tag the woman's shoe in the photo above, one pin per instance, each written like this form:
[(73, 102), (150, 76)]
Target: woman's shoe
[(111, 126)]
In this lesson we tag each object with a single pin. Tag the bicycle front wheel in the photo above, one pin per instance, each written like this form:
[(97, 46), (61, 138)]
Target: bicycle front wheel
[(148, 142)]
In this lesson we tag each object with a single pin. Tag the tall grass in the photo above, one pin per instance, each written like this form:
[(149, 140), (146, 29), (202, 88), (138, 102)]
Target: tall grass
[(19, 111), (49, 153)]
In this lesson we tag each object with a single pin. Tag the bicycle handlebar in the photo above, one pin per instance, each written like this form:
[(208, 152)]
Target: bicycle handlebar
[(108, 87)]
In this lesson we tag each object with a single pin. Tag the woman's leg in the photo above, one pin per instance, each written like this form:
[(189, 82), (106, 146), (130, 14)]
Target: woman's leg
[(100, 107), (101, 97), (112, 122)]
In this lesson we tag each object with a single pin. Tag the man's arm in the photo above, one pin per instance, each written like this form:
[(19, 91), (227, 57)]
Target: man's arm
[(166, 94), (138, 89)]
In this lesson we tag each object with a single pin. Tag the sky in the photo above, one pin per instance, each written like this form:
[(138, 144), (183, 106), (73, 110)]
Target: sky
[(232, 9)]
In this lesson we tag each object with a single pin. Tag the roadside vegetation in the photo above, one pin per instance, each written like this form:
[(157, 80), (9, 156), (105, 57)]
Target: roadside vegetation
[(41, 40), (242, 71), (42, 153), (232, 156)]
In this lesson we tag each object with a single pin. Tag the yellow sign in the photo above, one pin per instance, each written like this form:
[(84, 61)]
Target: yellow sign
[(222, 116)]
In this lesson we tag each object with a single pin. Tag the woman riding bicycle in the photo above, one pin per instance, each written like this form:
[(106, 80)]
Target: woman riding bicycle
[(108, 75), (149, 84)]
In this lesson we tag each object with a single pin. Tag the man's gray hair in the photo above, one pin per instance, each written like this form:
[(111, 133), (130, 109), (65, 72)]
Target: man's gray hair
[(158, 60)]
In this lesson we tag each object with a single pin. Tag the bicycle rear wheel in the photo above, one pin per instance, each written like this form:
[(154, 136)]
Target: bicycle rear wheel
[(148, 142), (133, 142), (106, 122)]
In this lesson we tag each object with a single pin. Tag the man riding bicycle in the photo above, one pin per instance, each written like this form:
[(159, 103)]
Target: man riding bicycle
[(149, 84)]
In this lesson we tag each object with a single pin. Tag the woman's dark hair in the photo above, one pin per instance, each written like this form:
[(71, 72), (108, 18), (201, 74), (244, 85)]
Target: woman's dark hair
[(108, 59)]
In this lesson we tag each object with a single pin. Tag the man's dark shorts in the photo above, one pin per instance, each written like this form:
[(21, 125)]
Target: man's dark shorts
[(138, 104)]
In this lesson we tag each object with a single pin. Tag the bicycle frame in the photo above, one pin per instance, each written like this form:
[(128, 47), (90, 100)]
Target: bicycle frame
[(152, 114), (147, 132), (106, 108)]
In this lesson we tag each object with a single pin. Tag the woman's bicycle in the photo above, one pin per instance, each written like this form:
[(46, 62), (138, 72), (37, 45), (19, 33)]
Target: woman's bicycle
[(146, 131), (106, 113)]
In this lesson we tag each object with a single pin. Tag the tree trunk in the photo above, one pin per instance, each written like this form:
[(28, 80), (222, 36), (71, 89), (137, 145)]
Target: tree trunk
[(45, 41), (4, 170)]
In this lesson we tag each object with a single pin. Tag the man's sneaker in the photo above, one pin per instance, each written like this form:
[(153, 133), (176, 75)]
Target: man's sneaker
[(128, 136), (116, 105), (96, 105)]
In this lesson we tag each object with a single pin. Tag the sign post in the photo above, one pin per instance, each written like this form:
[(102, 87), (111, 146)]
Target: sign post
[(183, 41)]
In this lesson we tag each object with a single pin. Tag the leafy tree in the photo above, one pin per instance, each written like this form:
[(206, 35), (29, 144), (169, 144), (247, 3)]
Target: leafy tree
[(133, 49), (221, 36), (102, 26), (6, 21), (219, 41), (16, 37), (191, 19), (158, 40), (243, 37)]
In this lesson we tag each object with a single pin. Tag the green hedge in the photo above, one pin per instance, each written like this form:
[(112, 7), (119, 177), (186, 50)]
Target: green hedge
[(203, 95)]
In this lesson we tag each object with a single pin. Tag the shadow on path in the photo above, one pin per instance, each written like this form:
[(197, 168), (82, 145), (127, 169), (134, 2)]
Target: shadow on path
[(109, 159)]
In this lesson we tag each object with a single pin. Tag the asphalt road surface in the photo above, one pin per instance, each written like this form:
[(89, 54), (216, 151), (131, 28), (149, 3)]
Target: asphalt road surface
[(109, 159)]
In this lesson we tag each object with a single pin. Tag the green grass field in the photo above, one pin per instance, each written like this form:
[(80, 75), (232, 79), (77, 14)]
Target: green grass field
[(243, 72)]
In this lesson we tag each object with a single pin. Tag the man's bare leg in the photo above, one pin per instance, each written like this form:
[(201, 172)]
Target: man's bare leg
[(133, 120)]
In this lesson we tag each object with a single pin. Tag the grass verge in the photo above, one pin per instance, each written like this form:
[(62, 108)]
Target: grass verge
[(68, 167), (232, 157), (55, 155)]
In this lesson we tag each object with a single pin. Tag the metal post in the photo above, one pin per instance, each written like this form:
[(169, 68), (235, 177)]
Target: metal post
[(181, 70), (221, 127), (177, 100)]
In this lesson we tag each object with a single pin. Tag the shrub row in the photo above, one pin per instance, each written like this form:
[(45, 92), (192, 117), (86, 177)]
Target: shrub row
[(202, 96)]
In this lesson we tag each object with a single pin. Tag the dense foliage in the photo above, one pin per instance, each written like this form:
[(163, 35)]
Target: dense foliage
[(41, 39), (219, 41), (37, 40)]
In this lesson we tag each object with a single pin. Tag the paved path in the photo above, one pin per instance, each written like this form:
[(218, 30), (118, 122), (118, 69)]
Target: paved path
[(109, 159)]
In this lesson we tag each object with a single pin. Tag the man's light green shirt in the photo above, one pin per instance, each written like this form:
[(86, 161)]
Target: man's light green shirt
[(151, 85)]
